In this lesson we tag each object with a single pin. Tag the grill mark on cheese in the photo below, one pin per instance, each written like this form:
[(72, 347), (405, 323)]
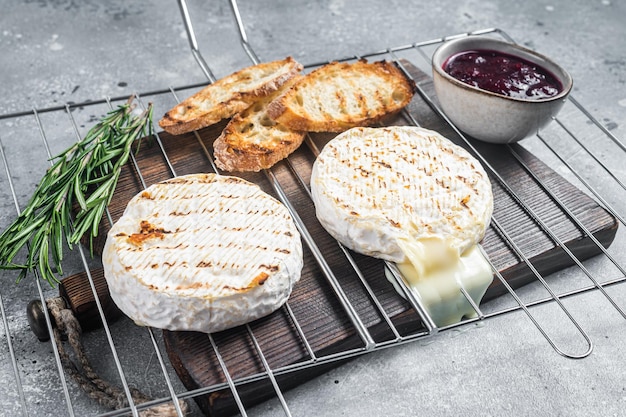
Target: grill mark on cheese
[(424, 179), (179, 213), (247, 254), (146, 232), (258, 280)]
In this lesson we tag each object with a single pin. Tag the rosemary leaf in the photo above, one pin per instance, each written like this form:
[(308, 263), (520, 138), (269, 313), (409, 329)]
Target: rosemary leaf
[(86, 173), (44, 265), (96, 219), (35, 253), (78, 192), (21, 233), (57, 239)]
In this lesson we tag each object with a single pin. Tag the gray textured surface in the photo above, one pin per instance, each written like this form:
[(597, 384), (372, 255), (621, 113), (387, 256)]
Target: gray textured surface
[(52, 52)]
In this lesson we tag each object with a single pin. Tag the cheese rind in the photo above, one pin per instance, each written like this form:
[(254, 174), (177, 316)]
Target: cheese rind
[(202, 253)]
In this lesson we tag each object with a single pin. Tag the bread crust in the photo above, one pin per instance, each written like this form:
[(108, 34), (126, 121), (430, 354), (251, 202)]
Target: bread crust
[(341, 95), (252, 141), (228, 96)]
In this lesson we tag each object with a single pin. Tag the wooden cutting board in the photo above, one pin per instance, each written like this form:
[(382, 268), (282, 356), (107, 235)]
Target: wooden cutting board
[(315, 306)]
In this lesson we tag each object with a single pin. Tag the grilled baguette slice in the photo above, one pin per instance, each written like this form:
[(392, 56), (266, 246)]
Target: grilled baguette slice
[(338, 96), (202, 252), (228, 96), (252, 141)]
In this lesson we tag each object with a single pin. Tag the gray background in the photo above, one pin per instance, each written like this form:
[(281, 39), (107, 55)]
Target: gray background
[(52, 52)]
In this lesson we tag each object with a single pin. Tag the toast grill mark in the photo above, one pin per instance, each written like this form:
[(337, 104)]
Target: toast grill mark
[(228, 96), (338, 96)]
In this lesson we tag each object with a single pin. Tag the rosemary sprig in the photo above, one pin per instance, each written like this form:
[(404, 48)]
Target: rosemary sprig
[(81, 181)]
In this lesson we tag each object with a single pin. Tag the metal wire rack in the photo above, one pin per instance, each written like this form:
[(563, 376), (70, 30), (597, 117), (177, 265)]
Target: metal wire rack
[(39, 133)]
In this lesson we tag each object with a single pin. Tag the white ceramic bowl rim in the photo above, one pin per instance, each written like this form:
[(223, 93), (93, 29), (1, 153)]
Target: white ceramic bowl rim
[(454, 46)]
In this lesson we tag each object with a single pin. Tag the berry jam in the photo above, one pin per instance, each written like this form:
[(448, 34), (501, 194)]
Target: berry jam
[(503, 74)]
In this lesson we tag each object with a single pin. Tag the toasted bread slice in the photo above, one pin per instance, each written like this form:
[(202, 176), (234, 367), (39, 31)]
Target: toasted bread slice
[(228, 96), (339, 96), (252, 141)]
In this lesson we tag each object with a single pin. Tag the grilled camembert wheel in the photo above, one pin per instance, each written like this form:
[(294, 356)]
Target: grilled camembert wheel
[(410, 196), (202, 253)]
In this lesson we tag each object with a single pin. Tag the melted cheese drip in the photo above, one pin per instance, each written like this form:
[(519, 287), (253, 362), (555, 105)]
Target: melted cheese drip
[(436, 271)]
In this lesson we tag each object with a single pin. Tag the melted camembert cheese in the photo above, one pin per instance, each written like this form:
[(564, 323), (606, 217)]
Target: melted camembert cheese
[(436, 271), (413, 198)]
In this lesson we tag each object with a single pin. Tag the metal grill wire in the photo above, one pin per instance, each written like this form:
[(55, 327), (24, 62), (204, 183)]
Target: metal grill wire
[(14, 326)]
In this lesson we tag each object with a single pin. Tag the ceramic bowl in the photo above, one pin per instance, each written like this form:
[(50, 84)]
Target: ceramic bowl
[(489, 116)]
